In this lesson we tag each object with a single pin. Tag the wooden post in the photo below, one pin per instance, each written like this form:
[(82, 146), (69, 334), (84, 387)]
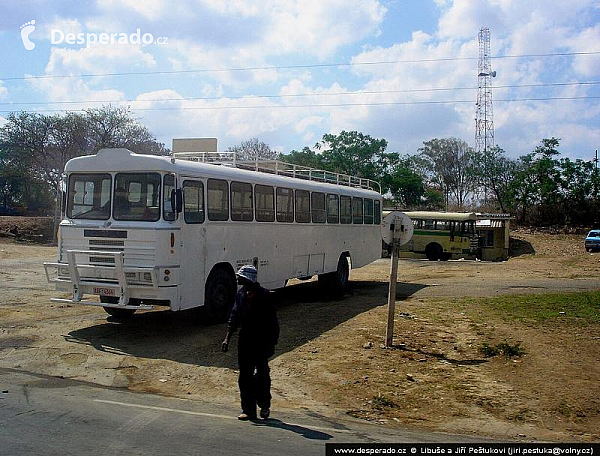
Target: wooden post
[(389, 338)]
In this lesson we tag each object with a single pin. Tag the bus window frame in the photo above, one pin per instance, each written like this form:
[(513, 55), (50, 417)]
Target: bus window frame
[(245, 214), (302, 216), (345, 216), (263, 214), (222, 215), (318, 215), (357, 203), (368, 202), (332, 218), (200, 201), (288, 211)]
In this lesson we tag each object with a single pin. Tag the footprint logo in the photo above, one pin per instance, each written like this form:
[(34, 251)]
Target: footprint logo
[(26, 29)]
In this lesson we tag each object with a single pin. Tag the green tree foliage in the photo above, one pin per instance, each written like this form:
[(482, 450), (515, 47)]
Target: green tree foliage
[(34, 149), (361, 155), (306, 157), (547, 190), (495, 173)]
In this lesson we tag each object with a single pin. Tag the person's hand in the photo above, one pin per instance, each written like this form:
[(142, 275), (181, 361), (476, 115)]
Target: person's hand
[(225, 346)]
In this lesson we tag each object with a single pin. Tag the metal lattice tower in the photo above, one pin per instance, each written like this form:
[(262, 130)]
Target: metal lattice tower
[(484, 118)]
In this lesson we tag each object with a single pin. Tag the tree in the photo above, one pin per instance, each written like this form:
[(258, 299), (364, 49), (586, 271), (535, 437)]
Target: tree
[(24, 142), (355, 154), (306, 157), (34, 149), (253, 150), (495, 173), (111, 126), (451, 168), (405, 185)]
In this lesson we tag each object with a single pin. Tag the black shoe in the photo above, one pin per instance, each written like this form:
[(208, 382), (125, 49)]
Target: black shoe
[(264, 413)]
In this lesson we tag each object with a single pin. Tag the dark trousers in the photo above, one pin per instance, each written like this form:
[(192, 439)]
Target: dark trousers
[(254, 380)]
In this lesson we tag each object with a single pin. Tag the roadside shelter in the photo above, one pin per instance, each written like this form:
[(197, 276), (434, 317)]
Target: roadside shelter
[(493, 231)]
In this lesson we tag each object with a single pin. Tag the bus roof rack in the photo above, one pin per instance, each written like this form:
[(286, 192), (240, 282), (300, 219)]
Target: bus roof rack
[(278, 167)]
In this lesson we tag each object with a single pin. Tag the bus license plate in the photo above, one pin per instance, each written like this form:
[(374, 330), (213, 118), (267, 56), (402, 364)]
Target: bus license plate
[(104, 291)]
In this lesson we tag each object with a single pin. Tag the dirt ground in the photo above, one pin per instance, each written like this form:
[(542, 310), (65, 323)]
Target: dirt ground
[(331, 360)]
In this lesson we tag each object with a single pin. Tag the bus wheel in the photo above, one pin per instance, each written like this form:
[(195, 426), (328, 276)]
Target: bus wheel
[(336, 282), (433, 251), (220, 294), (120, 314)]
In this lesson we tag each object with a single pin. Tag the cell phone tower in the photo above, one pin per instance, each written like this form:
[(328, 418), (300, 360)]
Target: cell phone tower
[(484, 117)]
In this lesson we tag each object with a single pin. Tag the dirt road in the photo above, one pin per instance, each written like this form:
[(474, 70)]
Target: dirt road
[(330, 360)]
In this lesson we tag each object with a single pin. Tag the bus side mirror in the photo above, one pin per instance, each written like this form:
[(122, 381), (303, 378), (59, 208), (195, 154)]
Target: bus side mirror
[(176, 200)]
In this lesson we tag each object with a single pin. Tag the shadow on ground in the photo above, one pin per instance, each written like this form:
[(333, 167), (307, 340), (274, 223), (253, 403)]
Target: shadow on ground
[(184, 337), (518, 247)]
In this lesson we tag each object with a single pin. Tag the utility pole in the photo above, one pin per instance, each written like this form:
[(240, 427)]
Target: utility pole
[(397, 229), (484, 116), (596, 177)]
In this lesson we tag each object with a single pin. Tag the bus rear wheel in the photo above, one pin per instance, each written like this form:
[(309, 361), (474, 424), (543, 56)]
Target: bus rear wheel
[(121, 314), (434, 252), (220, 294), (336, 282)]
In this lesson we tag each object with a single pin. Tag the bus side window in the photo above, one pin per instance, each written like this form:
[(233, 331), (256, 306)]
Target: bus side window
[(264, 203), (318, 207), (377, 211), (333, 208), (169, 186), (285, 205), (357, 210), (302, 206), (193, 201), (368, 211), (345, 210), (218, 200), (241, 202)]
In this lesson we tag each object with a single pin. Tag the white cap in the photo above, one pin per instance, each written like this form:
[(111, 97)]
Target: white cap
[(248, 272)]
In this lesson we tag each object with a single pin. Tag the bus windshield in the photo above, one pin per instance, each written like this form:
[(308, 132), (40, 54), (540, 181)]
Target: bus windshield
[(89, 196), (137, 197)]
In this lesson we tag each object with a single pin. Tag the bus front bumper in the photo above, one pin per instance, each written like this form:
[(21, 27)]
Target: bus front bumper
[(115, 281)]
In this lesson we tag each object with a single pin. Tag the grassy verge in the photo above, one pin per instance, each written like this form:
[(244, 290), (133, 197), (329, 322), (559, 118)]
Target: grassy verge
[(582, 308)]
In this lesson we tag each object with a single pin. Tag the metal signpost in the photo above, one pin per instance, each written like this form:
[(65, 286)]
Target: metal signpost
[(396, 230)]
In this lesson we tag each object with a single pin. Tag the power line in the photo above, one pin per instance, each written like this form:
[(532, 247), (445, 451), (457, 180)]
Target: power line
[(331, 105), (242, 97), (292, 67)]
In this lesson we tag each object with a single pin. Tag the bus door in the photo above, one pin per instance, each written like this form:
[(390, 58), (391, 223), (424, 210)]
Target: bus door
[(193, 243)]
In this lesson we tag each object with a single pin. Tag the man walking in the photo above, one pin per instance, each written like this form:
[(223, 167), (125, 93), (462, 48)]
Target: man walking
[(254, 313)]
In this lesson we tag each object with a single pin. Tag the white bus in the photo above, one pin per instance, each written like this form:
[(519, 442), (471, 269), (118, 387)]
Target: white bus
[(141, 231)]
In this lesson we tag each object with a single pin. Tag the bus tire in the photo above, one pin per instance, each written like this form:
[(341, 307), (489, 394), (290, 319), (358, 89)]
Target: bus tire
[(433, 251), (219, 295), (336, 282), (120, 314)]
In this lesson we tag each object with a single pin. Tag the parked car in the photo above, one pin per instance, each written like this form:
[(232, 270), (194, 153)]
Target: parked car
[(592, 240)]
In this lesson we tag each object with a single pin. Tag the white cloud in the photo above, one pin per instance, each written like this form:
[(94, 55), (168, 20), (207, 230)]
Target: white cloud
[(98, 59), (3, 91), (149, 9)]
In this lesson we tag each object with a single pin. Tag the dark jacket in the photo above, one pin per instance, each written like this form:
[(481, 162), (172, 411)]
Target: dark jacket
[(254, 313)]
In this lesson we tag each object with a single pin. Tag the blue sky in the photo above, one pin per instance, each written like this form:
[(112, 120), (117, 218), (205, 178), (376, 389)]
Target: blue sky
[(239, 69)]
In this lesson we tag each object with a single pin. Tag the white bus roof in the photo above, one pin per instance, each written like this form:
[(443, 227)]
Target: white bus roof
[(124, 160), (453, 216)]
